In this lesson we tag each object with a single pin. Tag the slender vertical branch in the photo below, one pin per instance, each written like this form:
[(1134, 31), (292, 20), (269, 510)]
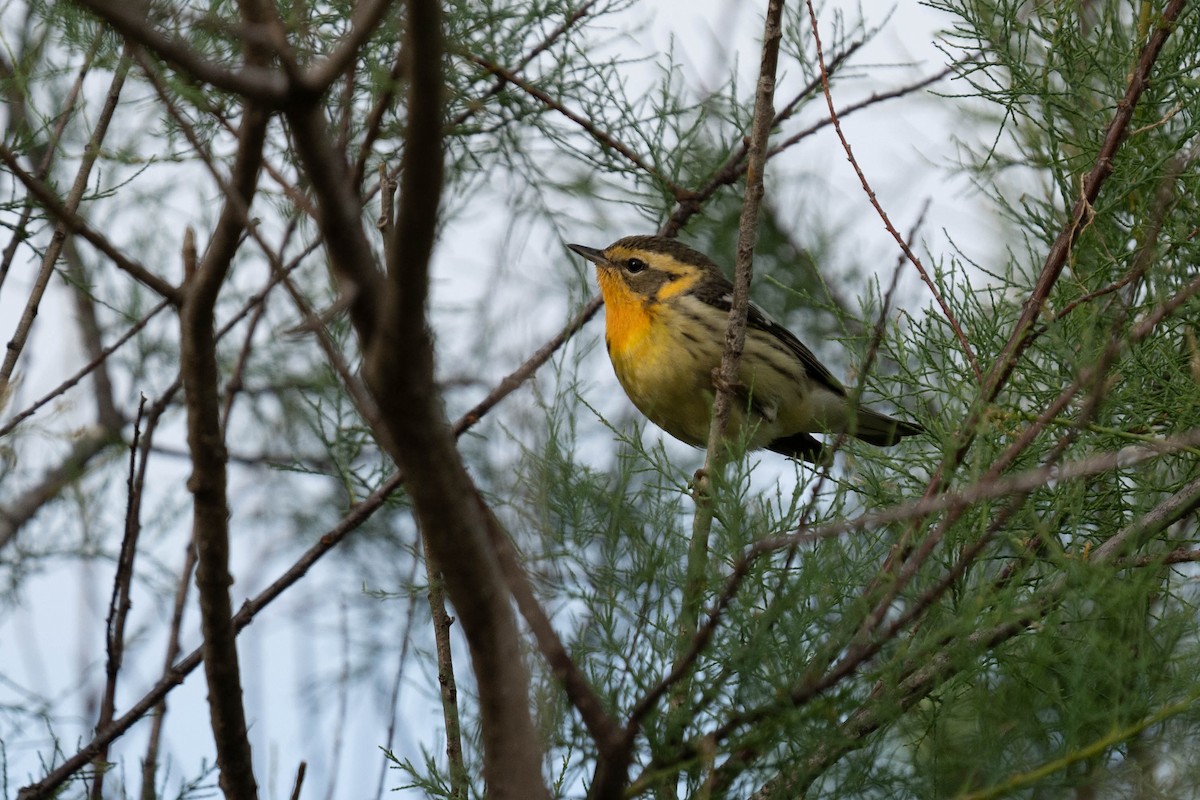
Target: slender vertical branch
[(118, 606), (398, 365), (726, 377), (206, 442)]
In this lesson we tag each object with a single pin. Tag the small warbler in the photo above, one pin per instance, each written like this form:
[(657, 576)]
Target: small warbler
[(666, 310)]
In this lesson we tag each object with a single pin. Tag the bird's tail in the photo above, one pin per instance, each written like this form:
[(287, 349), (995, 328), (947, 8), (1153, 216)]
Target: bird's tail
[(882, 430)]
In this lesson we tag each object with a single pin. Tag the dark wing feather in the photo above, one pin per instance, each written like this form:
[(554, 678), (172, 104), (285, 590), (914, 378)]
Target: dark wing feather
[(719, 294), (757, 318)]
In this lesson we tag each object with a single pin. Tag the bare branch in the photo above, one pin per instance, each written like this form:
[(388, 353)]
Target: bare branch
[(210, 525), (398, 355), (252, 81), (118, 607)]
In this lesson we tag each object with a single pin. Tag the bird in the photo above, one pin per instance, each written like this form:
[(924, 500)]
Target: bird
[(666, 311)]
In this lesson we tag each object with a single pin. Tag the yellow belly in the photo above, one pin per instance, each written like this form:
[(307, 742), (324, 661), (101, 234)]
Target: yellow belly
[(668, 376)]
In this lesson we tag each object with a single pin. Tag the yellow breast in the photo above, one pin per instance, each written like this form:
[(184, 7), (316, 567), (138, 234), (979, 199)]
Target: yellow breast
[(628, 317), (666, 379)]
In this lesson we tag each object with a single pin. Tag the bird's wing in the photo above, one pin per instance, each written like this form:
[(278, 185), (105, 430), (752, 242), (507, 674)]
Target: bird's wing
[(719, 293), (757, 318)]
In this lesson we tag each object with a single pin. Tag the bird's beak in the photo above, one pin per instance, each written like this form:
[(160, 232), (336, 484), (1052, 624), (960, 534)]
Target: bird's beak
[(590, 253)]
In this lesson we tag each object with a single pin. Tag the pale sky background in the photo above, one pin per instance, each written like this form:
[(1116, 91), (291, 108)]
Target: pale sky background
[(46, 643)]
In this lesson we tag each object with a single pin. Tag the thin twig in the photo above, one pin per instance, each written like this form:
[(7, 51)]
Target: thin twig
[(83, 372), (19, 118), (968, 351), (725, 378), (118, 606), (405, 639), (71, 209), (75, 224), (298, 783)]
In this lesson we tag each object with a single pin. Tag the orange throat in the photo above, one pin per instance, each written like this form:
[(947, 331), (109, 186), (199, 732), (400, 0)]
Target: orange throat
[(627, 318)]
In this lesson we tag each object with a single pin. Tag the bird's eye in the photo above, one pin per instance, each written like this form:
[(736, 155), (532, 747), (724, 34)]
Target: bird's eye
[(635, 265)]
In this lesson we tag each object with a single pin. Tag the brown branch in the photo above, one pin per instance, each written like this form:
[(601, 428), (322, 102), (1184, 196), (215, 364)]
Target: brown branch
[(436, 594), (253, 81), (447, 681), (406, 640), (119, 604), (1180, 555), (725, 378), (207, 484), (299, 781), (17, 344), (398, 365), (73, 223)]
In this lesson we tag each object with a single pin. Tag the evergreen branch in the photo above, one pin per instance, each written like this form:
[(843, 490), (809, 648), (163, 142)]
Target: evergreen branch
[(1056, 259), (1091, 750), (924, 672)]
